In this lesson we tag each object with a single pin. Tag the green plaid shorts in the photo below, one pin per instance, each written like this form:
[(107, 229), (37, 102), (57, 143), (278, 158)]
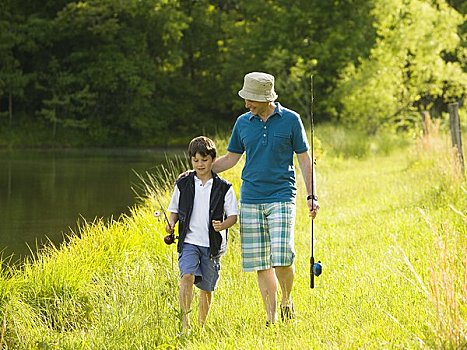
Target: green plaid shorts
[(267, 235)]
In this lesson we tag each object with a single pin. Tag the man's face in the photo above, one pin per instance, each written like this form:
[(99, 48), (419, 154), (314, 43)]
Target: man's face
[(202, 164), (256, 107)]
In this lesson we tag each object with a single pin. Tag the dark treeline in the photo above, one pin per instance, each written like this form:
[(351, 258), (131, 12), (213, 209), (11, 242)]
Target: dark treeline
[(154, 72)]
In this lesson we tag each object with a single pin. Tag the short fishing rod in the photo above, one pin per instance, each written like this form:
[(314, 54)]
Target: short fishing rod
[(315, 268), (170, 238)]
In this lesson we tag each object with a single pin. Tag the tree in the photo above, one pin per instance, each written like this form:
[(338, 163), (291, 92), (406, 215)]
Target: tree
[(66, 103), (159, 71), (407, 69), (295, 39), (12, 78), (121, 53)]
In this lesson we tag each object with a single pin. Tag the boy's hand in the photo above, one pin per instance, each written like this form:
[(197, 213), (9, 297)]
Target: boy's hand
[(169, 228), (217, 224)]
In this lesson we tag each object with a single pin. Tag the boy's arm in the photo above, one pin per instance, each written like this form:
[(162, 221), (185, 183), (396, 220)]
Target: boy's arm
[(173, 219), (222, 225)]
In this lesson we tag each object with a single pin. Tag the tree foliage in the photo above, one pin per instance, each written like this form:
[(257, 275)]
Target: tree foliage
[(413, 66), (147, 72)]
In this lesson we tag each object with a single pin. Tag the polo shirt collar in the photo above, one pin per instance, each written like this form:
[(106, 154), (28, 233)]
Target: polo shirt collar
[(279, 110), (198, 181)]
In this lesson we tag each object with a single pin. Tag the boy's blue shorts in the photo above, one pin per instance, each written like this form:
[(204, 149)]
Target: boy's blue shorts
[(196, 260)]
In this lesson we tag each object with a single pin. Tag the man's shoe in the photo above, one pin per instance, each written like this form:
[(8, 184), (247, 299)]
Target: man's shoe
[(287, 312)]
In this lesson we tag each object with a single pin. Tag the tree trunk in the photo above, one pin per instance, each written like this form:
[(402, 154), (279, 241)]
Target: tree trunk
[(10, 107), (454, 123), (426, 123)]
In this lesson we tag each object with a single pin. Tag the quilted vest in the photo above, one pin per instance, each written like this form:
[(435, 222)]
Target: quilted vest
[(186, 186)]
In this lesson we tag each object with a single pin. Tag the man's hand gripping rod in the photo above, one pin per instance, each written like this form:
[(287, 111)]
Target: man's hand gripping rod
[(315, 268)]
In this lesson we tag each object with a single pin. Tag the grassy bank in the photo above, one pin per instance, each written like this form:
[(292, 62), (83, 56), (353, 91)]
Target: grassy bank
[(391, 235)]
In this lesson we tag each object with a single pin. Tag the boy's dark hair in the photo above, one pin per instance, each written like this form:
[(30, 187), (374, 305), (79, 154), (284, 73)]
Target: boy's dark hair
[(202, 145)]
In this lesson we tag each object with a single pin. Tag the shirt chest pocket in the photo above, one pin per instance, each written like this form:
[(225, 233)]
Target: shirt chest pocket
[(281, 142)]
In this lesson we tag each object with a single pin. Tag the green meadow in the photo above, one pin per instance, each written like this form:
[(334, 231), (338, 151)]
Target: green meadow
[(391, 235)]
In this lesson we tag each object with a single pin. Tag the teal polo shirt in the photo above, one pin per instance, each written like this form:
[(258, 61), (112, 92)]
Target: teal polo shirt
[(268, 175)]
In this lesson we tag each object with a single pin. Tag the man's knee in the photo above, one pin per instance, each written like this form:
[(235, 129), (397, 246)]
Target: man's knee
[(285, 271)]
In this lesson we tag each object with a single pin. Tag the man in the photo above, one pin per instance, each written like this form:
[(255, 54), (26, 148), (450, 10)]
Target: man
[(269, 134)]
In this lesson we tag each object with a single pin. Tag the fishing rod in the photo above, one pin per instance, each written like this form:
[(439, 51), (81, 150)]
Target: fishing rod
[(170, 238), (315, 268)]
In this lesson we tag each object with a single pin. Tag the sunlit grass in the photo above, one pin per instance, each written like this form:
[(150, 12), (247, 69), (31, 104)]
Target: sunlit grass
[(391, 236)]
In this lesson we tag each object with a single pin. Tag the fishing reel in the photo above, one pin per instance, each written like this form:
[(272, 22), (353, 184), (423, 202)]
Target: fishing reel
[(317, 269), (170, 238)]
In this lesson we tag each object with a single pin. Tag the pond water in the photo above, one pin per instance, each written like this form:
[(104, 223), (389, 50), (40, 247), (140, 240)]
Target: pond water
[(44, 193)]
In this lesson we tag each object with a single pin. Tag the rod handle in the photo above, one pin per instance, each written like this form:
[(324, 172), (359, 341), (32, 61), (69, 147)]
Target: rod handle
[(312, 275)]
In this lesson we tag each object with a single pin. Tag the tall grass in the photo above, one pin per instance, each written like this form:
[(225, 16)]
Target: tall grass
[(338, 141), (446, 285), (391, 235)]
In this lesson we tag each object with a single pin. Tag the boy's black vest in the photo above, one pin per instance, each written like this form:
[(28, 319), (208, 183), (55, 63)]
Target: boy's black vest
[(186, 186)]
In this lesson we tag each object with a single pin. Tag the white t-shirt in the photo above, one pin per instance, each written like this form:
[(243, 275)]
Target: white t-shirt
[(198, 231)]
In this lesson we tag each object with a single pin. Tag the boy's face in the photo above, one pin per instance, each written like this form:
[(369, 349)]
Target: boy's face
[(202, 164)]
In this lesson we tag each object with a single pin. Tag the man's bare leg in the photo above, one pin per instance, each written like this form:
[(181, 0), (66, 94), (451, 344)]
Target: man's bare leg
[(186, 297), (285, 276), (267, 283), (205, 299)]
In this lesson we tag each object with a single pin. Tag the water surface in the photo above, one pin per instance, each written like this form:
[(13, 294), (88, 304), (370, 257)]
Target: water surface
[(43, 193)]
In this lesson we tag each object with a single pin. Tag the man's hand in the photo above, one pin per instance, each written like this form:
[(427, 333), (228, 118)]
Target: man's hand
[(313, 207), (183, 174)]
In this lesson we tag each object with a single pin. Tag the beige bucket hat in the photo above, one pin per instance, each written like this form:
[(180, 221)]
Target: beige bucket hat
[(258, 86)]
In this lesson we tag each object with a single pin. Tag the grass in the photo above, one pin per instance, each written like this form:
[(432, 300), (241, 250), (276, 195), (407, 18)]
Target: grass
[(391, 236)]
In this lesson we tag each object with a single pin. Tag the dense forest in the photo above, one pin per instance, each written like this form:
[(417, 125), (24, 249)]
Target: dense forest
[(154, 72)]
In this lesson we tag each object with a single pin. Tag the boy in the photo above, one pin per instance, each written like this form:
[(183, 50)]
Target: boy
[(205, 206)]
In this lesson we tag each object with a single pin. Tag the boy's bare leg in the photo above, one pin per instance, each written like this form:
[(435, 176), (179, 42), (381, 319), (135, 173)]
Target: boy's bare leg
[(285, 276), (186, 297), (267, 283), (205, 299)]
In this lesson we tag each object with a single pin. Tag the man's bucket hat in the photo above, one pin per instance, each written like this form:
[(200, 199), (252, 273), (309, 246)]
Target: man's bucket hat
[(259, 87)]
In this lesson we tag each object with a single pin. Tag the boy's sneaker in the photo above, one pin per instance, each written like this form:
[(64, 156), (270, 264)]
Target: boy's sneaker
[(287, 312)]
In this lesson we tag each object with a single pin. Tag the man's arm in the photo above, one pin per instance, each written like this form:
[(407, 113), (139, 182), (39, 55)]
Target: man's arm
[(309, 177), (304, 160), (226, 162)]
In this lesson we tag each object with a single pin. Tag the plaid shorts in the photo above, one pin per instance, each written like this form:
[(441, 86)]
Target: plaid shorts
[(267, 235)]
